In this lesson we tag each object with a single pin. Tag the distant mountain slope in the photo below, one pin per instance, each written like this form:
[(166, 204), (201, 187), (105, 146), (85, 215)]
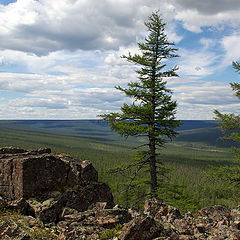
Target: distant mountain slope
[(205, 131), (75, 128), (195, 124), (84, 125), (208, 135)]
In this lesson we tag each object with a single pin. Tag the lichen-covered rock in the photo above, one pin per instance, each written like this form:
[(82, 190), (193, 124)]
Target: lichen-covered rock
[(62, 197), (213, 223), (141, 227), (92, 223), (109, 218), (11, 150), (11, 231), (216, 213), (160, 210), (81, 171)]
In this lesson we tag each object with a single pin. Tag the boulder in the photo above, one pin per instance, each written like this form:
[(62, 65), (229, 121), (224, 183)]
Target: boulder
[(26, 174), (160, 210), (49, 210), (84, 196), (11, 150), (216, 213), (109, 218), (142, 227)]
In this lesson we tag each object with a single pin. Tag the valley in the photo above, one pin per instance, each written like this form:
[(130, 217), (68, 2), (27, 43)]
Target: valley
[(188, 158)]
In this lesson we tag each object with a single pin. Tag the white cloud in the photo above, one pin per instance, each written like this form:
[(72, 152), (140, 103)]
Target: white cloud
[(231, 47), (197, 14), (45, 26), (1, 61), (64, 104), (14, 82), (208, 43), (198, 100), (61, 58), (196, 63), (210, 93)]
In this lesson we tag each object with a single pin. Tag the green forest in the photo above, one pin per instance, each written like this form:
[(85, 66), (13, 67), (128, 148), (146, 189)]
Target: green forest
[(191, 159)]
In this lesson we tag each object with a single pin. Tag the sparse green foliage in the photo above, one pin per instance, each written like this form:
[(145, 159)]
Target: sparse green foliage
[(111, 233), (152, 113), (178, 195), (35, 233), (230, 123)]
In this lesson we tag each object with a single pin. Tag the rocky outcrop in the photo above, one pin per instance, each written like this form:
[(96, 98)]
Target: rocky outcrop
[(60, 198), (26, 174), (41, 184)]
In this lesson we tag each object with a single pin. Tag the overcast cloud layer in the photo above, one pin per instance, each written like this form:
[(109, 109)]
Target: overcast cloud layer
[(60, 59)]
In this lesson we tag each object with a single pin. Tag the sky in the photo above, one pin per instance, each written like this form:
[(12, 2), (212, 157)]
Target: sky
[(60, 59)]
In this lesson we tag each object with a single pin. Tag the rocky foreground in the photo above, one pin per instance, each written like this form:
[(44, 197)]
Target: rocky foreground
[(49, 196)]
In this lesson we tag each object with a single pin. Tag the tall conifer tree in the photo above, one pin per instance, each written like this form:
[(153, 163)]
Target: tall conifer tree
[(152, 113)]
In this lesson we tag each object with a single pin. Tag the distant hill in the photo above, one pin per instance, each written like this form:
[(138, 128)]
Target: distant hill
[(205, 131), (195, 124), (72, 128), (88, 125), (209, 135)]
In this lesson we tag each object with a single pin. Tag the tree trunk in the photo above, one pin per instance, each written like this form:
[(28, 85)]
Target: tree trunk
[(152, 143), (153, 168)]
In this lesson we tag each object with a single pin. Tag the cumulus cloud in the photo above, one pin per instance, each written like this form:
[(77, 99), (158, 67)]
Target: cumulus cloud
[(45, 26), (231, 47), (198, 100), (197, 63), (65, 104), (197, 14), (61, 58), (206, 93), (209, 7)]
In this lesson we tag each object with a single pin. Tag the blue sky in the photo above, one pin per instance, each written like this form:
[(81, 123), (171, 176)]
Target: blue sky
[(60, 59)]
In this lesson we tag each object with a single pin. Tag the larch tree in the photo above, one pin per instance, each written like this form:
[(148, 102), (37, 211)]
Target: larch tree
[(152, 112), (231, 122), (230, 126)]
